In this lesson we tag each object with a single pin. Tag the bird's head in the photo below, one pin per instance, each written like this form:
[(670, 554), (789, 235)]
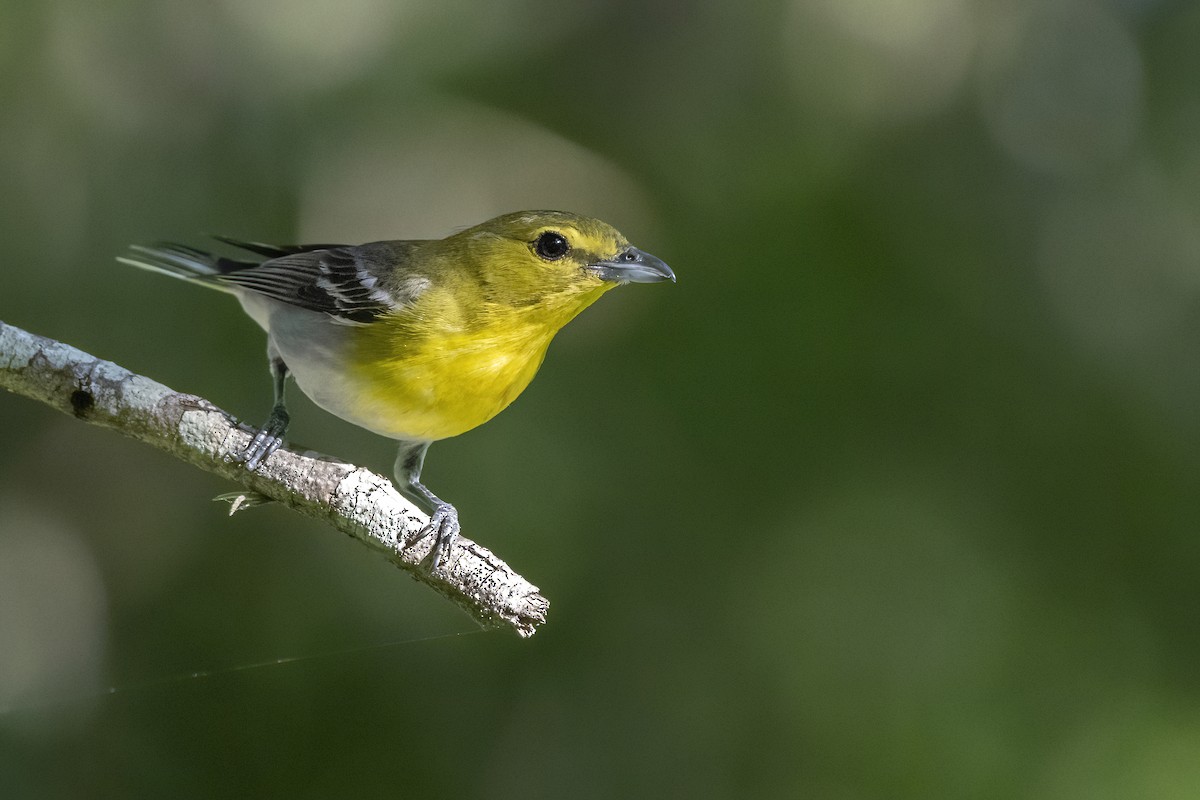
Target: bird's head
[(533, 256)]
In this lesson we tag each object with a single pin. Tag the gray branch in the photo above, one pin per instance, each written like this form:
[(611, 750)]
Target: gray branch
[(353, 500)]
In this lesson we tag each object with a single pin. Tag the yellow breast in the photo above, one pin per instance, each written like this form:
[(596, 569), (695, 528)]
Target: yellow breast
[(431, 373), (451, 362), (437, 389)]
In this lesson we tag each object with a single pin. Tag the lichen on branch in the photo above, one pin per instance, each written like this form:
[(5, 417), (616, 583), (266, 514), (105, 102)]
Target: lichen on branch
[(351, 499)]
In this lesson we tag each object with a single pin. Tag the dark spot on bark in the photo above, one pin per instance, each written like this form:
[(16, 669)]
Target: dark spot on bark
[(82, 401)]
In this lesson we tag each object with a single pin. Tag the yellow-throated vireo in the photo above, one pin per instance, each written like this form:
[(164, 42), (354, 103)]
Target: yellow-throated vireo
[(415, 340)]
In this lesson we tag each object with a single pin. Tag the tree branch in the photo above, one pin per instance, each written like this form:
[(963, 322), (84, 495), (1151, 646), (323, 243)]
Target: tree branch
[(353, 500)]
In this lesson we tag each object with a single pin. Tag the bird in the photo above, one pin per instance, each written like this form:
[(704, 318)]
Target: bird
[(414, 340)]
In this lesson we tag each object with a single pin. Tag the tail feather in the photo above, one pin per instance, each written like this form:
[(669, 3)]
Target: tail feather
[(180, 261), (265, 250), (199, 266), (270, 251)]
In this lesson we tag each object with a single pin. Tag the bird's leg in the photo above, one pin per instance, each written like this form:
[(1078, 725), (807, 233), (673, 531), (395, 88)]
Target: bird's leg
[(270, 435), (443, 517)]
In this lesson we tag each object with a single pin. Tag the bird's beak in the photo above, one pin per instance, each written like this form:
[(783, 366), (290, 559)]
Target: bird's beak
[(633, 266)]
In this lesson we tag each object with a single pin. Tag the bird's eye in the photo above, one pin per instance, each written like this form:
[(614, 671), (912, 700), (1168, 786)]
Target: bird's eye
[(551, 246)]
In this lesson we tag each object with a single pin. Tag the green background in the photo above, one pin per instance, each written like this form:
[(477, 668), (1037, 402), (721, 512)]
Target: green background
[(893, 495)]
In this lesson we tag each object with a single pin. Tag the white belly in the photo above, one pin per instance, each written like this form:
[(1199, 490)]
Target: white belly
[(315, 350)]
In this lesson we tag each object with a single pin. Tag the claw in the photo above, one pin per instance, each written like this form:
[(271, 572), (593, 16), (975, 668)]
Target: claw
[(443, 522), (268, 439), (444, 526)]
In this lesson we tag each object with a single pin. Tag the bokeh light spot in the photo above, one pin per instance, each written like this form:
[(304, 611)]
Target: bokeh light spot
[(52, 612), (1062, 87)]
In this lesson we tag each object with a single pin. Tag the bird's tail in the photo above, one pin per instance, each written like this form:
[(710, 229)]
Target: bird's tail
[(180, 261)]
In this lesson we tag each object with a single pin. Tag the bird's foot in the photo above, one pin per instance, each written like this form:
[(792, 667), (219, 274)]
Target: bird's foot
[(268, 439), (444, 527)]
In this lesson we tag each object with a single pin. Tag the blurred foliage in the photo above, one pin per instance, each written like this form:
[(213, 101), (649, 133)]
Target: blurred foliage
[(893, 495)]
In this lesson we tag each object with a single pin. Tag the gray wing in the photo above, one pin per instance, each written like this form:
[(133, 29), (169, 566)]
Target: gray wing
[(351, 284)]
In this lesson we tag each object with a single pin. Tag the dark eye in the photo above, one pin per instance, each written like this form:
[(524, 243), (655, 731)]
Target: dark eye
[(551, 246)]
